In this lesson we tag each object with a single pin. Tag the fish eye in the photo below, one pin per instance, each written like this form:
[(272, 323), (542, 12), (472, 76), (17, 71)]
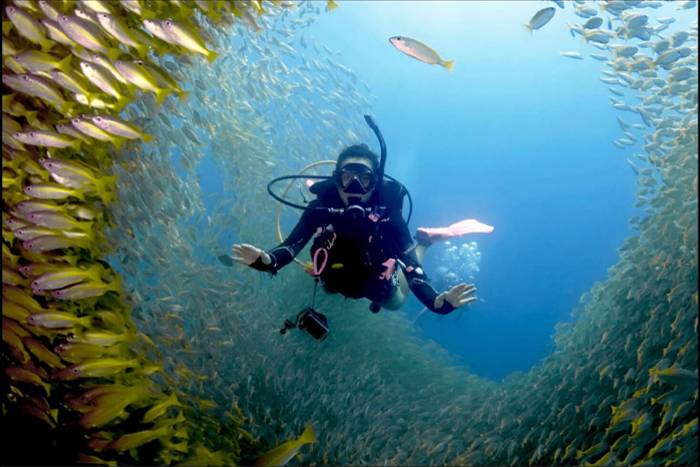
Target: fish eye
[(399, 38)]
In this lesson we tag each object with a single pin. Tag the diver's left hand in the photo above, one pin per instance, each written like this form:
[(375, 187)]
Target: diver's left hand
[(457, 296)]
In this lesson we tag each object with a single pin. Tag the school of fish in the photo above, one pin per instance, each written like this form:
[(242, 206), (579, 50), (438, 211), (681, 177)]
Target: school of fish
[(118, 318)]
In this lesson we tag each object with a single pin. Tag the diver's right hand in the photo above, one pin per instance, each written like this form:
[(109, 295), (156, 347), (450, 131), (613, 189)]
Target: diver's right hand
[(248, 254)]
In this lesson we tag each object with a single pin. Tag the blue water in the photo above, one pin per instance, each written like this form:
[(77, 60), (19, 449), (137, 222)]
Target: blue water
[(517, 137)]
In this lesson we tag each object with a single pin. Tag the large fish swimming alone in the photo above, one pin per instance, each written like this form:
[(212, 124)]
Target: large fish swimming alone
[(420, 51)]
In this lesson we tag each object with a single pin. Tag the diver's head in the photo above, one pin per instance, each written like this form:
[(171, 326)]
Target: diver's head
[(355, 174)]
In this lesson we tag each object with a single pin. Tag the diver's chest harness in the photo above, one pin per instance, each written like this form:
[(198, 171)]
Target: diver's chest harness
[(345, 263), (349, 252)]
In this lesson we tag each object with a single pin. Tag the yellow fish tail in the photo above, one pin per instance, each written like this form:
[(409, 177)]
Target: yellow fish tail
[(121, 102), (46, 45), (64, 65), (142, 50), (308, 436), (184, 96), (114, 54), (161, 94), (211, 56), (449, 64)]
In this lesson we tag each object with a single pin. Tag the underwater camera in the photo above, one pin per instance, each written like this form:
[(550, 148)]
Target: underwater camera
[(311, 321)]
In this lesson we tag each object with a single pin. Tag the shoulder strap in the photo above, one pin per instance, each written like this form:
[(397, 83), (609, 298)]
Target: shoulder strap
[(322, 189), (392, 194)]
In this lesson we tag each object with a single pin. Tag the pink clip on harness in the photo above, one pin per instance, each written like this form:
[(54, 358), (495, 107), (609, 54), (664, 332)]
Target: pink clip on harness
[(318, 270)]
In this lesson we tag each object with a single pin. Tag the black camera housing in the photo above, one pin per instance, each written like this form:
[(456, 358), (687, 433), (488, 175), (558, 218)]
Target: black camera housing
[(314, 323)]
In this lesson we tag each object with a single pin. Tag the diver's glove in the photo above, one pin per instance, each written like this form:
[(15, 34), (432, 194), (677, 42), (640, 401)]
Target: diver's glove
[(251, 256), (456, 297)]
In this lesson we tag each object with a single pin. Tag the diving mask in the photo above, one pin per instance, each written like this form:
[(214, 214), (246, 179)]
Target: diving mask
[(355, 179)]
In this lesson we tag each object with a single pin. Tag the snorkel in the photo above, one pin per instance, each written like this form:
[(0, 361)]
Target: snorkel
[(382, 161)]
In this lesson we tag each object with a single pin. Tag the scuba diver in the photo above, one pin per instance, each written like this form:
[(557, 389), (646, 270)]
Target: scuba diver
[(362, 246)]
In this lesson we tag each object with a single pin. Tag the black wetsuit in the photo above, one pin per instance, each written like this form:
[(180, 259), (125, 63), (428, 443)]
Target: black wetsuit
[(358, 249)]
